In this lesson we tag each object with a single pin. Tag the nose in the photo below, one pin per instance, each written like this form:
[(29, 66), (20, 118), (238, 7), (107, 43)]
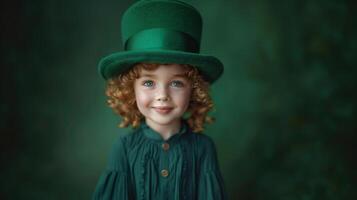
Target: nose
[(163, 99), (162, 94)]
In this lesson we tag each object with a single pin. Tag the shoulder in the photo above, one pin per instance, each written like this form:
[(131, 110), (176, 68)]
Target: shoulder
[(129, 138), (119, 153), (203, 142), (203, 138)]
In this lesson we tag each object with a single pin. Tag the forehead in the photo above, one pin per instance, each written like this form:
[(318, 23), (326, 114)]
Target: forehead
[(164, 70)]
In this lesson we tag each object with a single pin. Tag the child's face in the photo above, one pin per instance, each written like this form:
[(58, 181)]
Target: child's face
[(163, 95)]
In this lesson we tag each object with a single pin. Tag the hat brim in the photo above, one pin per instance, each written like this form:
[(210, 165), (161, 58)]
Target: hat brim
[(210, 67)]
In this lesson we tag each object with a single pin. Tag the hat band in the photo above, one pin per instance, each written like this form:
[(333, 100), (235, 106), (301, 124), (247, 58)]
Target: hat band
[(161, 38)]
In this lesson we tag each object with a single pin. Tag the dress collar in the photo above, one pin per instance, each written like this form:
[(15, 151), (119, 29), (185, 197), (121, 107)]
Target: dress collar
[(152, 134)]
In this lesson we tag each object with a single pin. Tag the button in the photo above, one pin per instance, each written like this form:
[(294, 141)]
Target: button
[(165, 146), (164, 173)]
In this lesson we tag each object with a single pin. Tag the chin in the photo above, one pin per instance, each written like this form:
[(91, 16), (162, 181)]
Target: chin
[(164, 120)]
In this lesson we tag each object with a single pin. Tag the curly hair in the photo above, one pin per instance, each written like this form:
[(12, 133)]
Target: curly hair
[(121, 97)]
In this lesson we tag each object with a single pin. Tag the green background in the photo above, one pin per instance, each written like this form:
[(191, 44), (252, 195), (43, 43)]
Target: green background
[(285, 107)]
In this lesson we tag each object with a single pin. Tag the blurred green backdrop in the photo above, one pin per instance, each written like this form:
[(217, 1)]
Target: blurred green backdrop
[(285, 107)]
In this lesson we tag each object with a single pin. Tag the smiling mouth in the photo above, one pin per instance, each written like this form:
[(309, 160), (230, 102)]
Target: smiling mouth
[(163, 110)]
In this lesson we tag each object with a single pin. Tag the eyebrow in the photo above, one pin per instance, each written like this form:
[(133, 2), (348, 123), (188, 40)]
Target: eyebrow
[(153, 75), (148, 75)]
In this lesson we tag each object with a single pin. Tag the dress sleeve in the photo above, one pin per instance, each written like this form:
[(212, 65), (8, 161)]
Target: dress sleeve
[(114, 183), (211, 184)]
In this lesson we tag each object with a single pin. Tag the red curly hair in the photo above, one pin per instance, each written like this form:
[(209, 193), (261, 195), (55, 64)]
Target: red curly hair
[(121, 97)]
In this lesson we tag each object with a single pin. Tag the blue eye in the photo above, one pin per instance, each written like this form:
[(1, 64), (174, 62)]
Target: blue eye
[(148, 83), (177, 84)]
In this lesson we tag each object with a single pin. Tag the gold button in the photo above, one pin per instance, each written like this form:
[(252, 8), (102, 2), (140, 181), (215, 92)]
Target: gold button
[(165, 146), (164, 173)]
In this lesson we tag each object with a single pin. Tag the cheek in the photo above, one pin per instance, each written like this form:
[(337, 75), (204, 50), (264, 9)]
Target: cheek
[(183, 98), (142, 98)]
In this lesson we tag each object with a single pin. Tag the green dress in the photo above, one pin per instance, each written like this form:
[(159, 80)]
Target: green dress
[(143, 166)]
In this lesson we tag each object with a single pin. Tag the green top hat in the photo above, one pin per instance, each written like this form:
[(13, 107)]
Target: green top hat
[(161, 31)]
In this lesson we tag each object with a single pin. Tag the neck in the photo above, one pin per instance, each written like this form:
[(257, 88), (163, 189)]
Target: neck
[(165, 130)]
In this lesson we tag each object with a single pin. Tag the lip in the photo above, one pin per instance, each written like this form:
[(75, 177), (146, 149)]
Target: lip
[(163, 109)]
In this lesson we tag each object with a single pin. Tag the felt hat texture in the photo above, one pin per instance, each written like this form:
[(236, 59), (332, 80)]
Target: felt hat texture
[(161, 31)]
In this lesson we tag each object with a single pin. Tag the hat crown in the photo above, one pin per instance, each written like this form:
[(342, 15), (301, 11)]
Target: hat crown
[(166, 15), (161, 31)]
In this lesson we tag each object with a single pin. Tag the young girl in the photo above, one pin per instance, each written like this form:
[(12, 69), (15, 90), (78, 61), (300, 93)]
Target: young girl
[(159, 86)]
